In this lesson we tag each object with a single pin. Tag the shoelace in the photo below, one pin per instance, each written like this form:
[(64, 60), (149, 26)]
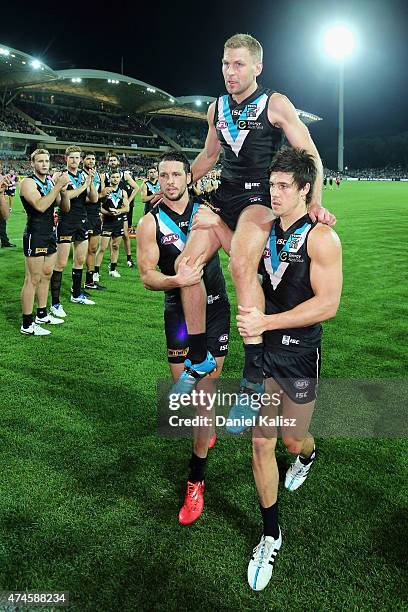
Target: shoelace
[(192, 494), (261, 553)]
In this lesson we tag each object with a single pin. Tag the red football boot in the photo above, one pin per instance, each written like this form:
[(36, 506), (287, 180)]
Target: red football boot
[(193, 503), (212, 441)]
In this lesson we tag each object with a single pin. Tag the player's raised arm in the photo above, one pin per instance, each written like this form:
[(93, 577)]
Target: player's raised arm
[(209, 155), (148, 257), (282, 113)]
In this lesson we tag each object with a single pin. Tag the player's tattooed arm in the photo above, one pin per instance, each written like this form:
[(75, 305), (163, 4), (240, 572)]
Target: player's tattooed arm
[(209, 155), (148, 257)]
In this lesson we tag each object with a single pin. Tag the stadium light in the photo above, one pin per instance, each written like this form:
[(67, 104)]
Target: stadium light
[(339, 44), (4, 51), (198, 102), (36, 64)]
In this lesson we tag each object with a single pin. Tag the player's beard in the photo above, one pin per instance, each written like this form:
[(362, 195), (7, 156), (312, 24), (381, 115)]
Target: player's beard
[(176, 198)]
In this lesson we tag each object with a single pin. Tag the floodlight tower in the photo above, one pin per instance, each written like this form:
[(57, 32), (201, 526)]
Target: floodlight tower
[(339, 43)]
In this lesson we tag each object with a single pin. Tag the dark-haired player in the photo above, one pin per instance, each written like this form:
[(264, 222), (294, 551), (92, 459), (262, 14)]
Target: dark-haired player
[(247, 124), (94, 219), (130, 186), (150, 189), (39, 195), (302, 279), (162, 234), (73, 228), (113, 208)]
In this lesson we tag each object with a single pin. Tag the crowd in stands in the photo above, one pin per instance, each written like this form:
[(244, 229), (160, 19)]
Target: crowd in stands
[(11, 121), (114, 140), (54, 115), (396, 172), (183, 131)]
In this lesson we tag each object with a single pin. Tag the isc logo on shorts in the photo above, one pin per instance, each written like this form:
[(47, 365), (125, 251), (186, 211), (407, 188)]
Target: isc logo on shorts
[(169, 238)]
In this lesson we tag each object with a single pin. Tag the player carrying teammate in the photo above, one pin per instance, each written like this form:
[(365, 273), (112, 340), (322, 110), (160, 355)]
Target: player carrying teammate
[(161, 237), (302, 278)]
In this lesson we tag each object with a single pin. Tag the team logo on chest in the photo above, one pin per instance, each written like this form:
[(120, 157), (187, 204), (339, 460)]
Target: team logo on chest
[(235, 134)]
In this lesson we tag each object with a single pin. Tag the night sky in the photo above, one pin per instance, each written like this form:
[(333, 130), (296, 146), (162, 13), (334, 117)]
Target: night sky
[(177, 46)]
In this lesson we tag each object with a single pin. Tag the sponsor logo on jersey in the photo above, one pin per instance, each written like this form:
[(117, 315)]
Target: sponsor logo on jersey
[(236, 112), (177, 352), (169, 238), (244, 124), (281, 241), (283, 255), (250, 185), (223, 338), (41, 250), (295, 258), (184, 224), (288, 340), (302, 384), (222, 125)]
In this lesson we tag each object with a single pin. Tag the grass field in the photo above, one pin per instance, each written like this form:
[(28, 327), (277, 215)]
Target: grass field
[(89, 494)]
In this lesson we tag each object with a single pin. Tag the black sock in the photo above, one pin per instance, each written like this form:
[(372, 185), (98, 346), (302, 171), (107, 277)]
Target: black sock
[(76, 282), (27, 320), (97, 269), (112, 266), (56, 280), (89, 277), (41, 313), (306, 460), (253, 368), (197, 467), (270, 521), (197, 347), (129, 257)]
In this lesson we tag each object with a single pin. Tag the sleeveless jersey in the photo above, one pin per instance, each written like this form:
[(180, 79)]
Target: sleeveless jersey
[(172, 230), (123, 184), (286, 283), (248, 139), (40, 222), (93, 209), (152, 188), (78, 204), (113, 200)]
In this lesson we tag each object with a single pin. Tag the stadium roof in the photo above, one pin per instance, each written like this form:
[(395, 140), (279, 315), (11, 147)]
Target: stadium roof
[(22, 72), (18, 69), (129, 93)]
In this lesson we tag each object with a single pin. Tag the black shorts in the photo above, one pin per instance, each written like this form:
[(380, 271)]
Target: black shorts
[(232, 198), (36, 244), (94, 225), (217, 330), (297, 373), (10, 192), (72, 228), (112, 229)]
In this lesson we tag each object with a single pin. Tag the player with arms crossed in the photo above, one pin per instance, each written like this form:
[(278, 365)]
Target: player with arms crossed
[(248, 124), (161, 236)]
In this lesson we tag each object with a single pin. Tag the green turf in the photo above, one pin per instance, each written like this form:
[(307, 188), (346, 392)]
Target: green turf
[(90, 494)]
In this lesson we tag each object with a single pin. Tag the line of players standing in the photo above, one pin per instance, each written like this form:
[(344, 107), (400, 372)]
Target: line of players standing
[(94, 210)]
